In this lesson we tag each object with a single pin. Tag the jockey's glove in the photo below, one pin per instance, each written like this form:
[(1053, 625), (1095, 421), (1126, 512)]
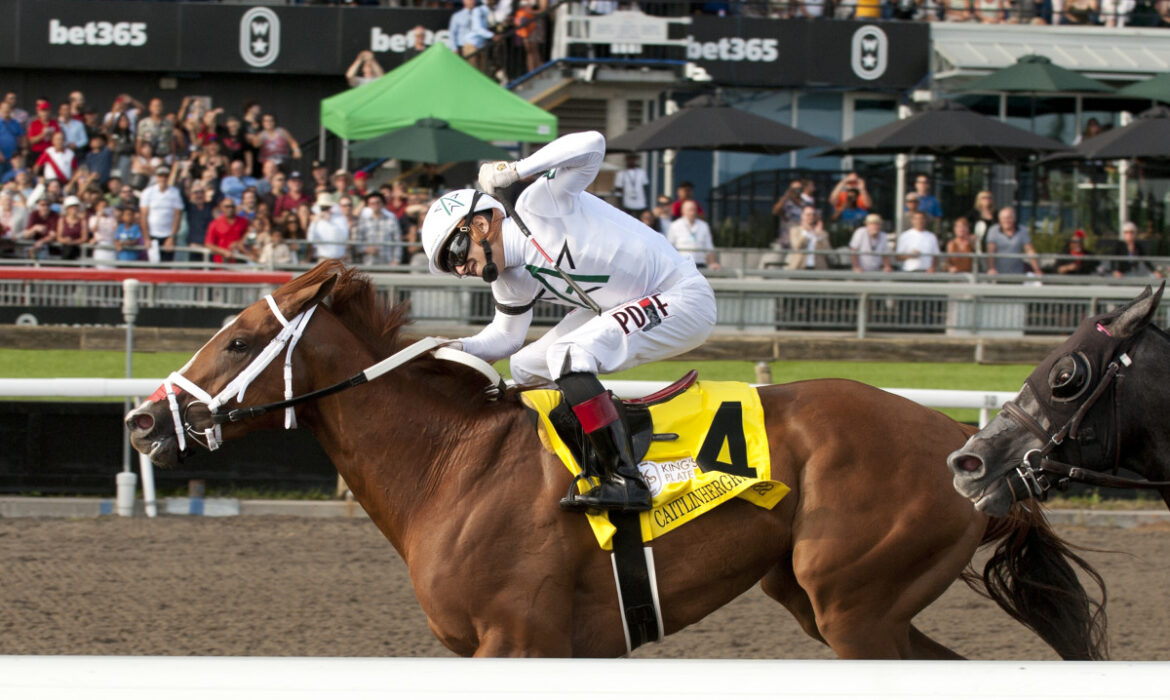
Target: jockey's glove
[(449, 343), (494, 177)]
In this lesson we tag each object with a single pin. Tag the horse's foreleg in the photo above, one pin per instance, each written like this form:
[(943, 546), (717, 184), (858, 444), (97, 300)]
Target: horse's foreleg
[(522, 643), (923, 647), (781, 585)]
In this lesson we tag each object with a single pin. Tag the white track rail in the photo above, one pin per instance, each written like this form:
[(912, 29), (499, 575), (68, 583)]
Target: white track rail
[(79, 387), (259, 678)]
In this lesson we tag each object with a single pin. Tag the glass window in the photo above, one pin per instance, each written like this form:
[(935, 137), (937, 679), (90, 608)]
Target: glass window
[(819, 113), (775, 105)]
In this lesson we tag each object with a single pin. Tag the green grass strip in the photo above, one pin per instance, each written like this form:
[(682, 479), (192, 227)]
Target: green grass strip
[(906, 375)]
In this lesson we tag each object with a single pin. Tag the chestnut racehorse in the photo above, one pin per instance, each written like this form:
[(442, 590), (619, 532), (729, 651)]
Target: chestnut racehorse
[(870, 534)]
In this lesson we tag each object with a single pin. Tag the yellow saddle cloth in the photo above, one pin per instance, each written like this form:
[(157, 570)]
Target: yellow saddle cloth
[(721, 453)]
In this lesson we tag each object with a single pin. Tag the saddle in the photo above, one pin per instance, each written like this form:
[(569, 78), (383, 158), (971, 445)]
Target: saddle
[(634, 412)]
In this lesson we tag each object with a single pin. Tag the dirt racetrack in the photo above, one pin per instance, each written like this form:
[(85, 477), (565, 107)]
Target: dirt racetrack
[(301, 587)]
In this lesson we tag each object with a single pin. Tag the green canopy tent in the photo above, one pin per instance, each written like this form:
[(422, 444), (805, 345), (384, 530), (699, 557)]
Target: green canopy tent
[(429, 141), (437, 84)]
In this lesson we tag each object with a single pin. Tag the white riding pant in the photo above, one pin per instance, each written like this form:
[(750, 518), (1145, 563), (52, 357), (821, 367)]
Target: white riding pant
[(664, 324)]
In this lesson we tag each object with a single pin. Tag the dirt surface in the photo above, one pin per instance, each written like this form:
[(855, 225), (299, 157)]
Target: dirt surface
[(300, 587)]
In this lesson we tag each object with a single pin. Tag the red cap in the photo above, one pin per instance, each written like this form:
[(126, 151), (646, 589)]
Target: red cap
[(43, 104), (360, 175), (1079, 233)]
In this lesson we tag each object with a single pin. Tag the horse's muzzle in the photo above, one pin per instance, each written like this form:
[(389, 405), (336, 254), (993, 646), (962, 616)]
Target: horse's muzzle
[(970, 464), (152, 434)]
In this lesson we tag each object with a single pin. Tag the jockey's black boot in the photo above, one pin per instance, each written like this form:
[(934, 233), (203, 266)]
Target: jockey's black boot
[(621, 488)]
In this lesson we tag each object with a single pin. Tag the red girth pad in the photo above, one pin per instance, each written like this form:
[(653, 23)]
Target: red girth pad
[(596, 413), (161, 392)]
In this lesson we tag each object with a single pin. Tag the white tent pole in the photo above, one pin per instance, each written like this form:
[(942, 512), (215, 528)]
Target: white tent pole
[(1123, 182), (321, 145), (344, 154), (900, 181), (1122, 186), (668, 156)]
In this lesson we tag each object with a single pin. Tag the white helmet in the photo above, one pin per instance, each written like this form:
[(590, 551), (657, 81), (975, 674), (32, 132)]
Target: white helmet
[(445, 215)]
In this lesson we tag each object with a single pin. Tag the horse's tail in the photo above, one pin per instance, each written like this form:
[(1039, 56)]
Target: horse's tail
[(1031, 576)]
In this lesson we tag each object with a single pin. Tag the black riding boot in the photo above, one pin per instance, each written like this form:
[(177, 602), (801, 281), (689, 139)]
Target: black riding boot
[(622, 487)]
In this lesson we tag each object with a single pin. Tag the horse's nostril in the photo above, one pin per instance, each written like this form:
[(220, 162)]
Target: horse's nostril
[(970, 463), (143, 421)]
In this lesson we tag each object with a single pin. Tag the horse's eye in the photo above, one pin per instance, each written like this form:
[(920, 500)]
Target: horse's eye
[(1069, 377), (237, 345)]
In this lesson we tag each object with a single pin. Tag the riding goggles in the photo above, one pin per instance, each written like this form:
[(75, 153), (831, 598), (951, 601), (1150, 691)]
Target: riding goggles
[(454, 251)]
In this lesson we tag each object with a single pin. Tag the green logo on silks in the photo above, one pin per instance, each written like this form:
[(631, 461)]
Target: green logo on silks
[(450, 203), (551, 280)]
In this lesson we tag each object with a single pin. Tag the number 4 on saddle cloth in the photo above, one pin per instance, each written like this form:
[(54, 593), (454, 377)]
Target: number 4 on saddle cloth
[(695, 450)]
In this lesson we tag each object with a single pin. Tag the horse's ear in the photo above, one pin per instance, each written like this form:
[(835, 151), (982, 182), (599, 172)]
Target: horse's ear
[(303, 297), (1137, 314)]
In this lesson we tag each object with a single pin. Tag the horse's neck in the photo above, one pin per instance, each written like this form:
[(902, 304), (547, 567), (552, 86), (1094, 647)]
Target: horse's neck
[(395, 442), (1144, 408)]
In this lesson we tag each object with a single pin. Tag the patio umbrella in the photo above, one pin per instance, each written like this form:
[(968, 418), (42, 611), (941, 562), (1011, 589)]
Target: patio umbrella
[(1033, 74), (1147, 136), (947, 128), (1156, 88), (429, 141), (707, 123)]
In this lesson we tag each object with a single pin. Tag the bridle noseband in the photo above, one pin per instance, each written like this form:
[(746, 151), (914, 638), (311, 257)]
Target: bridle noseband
[(212, 437)]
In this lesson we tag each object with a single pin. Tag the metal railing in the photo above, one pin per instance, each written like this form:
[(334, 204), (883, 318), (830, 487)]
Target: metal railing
[(861, 305)]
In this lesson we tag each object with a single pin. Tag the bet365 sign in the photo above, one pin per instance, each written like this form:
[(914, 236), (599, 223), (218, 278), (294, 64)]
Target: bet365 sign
[(779, 53)]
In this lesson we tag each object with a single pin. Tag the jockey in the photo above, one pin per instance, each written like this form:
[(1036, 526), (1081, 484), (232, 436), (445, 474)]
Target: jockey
[(655, 303)]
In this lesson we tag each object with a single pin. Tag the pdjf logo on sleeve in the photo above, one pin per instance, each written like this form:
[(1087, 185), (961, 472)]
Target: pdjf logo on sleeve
[(871, 52), (259, 37)]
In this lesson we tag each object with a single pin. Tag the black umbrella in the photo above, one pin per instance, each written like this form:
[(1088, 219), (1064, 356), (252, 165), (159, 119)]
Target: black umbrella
[(1147, 136), (948, 128), (429, 141), (707, 123)]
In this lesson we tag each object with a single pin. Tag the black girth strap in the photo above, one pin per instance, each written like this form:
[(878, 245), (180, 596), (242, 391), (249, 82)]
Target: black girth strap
[(637, 594)]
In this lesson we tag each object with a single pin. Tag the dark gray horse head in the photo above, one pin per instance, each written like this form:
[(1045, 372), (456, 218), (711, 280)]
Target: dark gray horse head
[(1098, 401)]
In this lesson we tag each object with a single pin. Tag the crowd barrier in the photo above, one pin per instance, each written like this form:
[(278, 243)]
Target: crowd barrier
[(259, 678)]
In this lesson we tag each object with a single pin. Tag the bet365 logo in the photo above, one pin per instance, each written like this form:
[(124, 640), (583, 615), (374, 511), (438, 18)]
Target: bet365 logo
[(259, 37), (97, 33)]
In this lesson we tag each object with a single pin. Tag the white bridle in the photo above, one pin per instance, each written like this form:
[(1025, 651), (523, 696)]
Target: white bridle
[(291, 333), (212, 437)]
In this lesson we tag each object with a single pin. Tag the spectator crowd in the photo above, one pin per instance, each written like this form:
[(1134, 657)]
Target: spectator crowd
[(141, 182), (986, 239), (1109, 13)]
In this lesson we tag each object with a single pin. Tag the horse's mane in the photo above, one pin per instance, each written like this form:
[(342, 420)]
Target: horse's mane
[(354, 300), (378, 325)]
